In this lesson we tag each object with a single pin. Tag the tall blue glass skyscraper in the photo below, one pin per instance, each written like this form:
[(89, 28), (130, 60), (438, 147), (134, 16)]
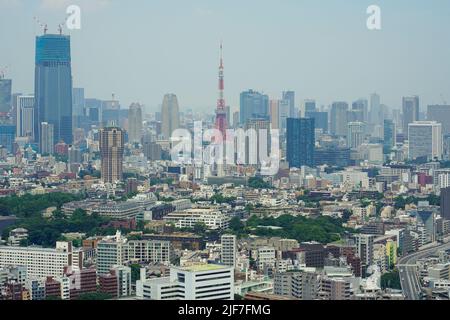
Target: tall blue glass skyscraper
[(53, 86), (300, 142)]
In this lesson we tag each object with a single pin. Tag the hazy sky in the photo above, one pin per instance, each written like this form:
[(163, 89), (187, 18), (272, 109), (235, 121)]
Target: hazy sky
[(142, 49)]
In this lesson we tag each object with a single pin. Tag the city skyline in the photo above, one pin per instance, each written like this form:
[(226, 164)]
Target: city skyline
[(347, 62)]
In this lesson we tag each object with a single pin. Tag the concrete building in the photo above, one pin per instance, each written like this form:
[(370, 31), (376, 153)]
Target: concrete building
[(425, 140), (41, 262), (228, 250), (194, 282), (170, 115), (135, 123), (111, 150)]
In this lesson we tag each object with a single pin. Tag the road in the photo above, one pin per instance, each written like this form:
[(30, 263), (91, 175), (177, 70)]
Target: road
[(408, 268)]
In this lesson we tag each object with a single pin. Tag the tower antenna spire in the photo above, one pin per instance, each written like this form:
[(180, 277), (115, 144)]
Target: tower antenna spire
[(221, 115)]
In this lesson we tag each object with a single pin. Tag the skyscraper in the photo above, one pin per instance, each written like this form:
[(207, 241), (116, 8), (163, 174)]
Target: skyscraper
[(410, 112), (78, 102), (7, 136), (274, 114), (425, 140), (445, 203), (253, 152), (25, 116), (170, 115), (135, 123), (309, 106), (47, 143), (300, 142), (53, 86), (78, 107), (5, 94), (338, 121), (360, 108), (355, 136), (441, 114), (283, 115), (253, 105), (111, 150), (320, 118), (390, 134), (289, 96), (375, 109)]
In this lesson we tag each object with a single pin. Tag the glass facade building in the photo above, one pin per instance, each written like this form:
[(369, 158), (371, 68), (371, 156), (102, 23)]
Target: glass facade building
[(53, 86), (254, 105), (300, 142)]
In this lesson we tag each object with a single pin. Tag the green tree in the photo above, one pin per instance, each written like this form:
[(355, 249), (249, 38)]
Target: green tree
[(391, 280), (95, 296)]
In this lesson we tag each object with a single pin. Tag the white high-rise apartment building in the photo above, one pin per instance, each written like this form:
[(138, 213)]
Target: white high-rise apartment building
[(41, 262), (228, 251)]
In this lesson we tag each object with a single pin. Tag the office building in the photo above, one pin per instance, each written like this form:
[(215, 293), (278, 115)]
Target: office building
[(110, 252), (440, 114), (274, 114), (170, 115), (53, 86), (192, 282), (300, 142), (7, 136), (5, 95), (355, 135), (135, 123), (410, 112), (310, 106), (390, 134), (361, 110), (332, 156), (320, 119), (228, 250), (253, 105), (253, 153), (78, 102), (25, 116), (425, 140), (338, 118), (445, 203), (375, 109), (46, 143), (111, 150), (289, 98)]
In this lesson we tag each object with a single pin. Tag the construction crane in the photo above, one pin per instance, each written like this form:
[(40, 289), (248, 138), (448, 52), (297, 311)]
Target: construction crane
[(443, 99), (3, 71), (42, 25)]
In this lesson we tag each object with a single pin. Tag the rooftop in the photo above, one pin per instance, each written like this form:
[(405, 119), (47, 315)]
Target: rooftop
[(203, 267)]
